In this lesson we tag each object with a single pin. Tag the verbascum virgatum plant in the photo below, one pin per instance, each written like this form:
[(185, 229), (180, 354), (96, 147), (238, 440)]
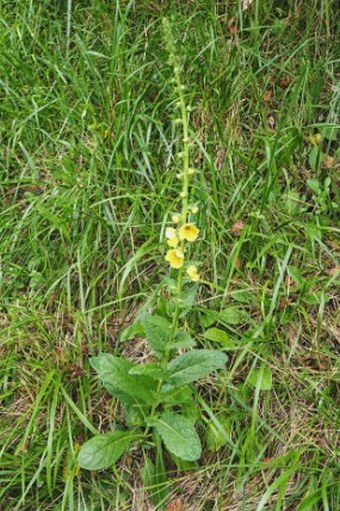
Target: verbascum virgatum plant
[(160, 403)]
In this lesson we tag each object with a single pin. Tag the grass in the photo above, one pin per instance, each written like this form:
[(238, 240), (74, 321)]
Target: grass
[(87, 185)]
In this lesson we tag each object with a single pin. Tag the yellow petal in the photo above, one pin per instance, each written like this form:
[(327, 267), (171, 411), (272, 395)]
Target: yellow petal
[(188, 232), (175, 258), (315, 139), (193, 273), (173, 242), (176, 218), (170, 233)]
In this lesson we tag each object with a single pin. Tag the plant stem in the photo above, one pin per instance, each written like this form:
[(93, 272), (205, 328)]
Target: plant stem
[(185, 188)]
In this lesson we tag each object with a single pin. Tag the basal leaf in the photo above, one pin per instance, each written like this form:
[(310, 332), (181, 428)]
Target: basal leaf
[(314, 158), (261, 376), (218, 432), (132, 331), (118, 394), (193, 365), (179, 436), (218, 335), (114, 371), (232, 316), (182, 340), (158, 331), (177, 396), (154, 371), (104, 450), (228, 316)]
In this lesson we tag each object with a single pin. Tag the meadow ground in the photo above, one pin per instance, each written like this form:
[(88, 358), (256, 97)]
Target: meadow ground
[(87, 185)]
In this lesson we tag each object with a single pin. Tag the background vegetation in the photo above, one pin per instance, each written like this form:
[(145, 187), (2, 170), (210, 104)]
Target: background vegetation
[(87, 185)]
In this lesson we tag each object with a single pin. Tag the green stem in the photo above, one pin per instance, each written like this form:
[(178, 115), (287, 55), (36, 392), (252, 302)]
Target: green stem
[(184, 219), (185, 188)]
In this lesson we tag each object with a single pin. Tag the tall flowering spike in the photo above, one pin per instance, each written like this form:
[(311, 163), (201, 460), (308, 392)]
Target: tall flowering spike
[(184, 231)]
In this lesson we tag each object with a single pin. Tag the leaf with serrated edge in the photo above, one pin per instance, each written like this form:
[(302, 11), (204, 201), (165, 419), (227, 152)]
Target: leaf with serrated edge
[(218, 335), (154, 371), (104, 450), (182, 340), (115, 371), (193, 365), (262, 377), (158, 332), (179, 436)]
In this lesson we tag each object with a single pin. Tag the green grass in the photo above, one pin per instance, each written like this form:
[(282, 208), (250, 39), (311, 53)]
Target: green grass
[(87, 185)]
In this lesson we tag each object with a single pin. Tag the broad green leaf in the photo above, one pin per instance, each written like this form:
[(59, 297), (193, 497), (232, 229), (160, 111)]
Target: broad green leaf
[(182, 340), (241, 296), (262, 377), (118, 394), (193, 365), (188, 296), (131, 331), (158, 332), (177, 396), (291, 201), (104, 450), (179, 436), (314, 185), (217, 432), (233, 316), (114, 371), (229, 316), (154, 371), (134, 414), (218, 335), (314, 158), (184, 465), (190, 411)]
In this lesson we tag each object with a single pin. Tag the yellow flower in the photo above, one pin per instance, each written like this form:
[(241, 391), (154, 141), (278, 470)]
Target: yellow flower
[(172, 238), (193, 273), (173, 242), (188, 232), (194, 210), (175, 258), (315, 139), (176, 218)]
